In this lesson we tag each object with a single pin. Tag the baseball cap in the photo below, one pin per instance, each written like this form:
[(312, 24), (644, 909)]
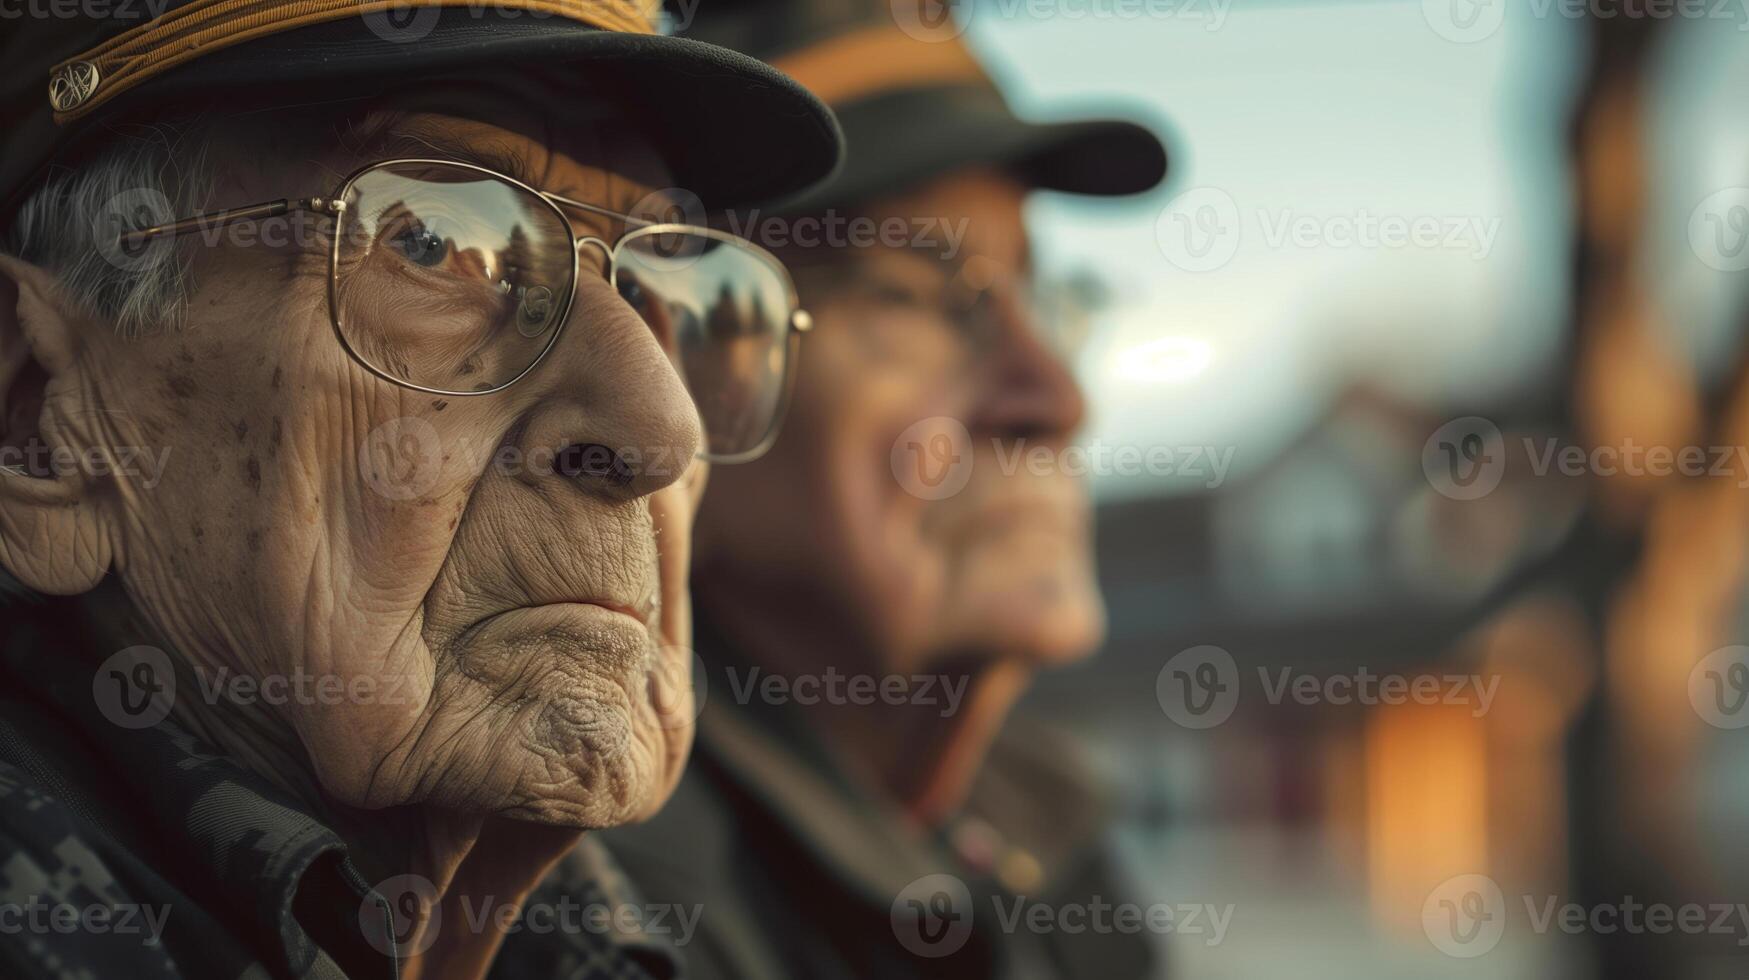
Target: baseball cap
[(915, 102), (733, 130)]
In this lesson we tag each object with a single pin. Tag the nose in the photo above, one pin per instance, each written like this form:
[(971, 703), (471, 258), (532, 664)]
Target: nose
[(612, 417), (1026, 391)]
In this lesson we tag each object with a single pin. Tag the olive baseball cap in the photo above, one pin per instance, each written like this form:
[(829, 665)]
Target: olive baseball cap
[(734, 130), (916, 103)]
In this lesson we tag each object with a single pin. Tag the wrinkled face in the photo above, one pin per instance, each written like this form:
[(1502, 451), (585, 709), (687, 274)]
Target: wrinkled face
[(482, 618), (854, 519)]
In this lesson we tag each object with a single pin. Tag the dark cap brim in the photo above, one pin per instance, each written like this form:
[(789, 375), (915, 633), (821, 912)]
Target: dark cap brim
[(732, 129), (900, 139)]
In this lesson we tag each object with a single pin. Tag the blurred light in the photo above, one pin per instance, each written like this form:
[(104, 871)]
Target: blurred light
[(1170, 360), (1427, 779)]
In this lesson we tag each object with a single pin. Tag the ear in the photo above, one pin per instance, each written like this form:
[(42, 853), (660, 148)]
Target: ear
[(54, 537)]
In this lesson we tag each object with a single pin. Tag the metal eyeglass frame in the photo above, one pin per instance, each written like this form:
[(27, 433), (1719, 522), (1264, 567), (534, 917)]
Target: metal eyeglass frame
[(797, 323)]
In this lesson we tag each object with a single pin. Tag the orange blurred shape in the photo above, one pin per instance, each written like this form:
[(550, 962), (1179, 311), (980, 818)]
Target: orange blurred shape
[(1426, 805)]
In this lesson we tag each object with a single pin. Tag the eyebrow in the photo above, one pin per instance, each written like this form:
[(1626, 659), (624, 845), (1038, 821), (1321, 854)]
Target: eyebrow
[(399, 141), (394, 139)]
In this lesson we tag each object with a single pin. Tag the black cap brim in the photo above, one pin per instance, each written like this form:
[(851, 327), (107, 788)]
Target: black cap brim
[(732, 129), (900, 139)]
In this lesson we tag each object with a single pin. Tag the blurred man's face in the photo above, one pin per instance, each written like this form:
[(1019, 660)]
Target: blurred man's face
[(836, 530)]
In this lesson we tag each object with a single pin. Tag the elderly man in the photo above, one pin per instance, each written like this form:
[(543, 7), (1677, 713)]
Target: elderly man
[(347, 469), (876, 592)]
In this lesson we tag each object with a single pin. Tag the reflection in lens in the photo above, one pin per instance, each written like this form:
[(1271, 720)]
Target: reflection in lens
[(448, 278), (723, 309)]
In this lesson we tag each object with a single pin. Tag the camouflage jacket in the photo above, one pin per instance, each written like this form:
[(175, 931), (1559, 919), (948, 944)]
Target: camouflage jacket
[(796, 871), (138, 852)]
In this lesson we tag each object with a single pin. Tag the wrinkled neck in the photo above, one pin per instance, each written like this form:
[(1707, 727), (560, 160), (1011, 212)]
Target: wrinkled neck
[(472, 861)]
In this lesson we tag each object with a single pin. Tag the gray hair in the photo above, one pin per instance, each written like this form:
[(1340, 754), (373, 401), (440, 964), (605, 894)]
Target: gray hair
[(63, 227), (70, 225)]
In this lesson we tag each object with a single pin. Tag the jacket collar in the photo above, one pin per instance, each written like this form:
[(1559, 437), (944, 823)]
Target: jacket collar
[(234, 836), (1032, 815)]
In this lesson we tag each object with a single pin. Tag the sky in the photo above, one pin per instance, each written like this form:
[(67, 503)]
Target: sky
[(1383, 202)]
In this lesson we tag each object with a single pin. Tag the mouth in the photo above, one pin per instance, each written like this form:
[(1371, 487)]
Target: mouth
[(618, 613), (1032, 512), (643, 613), (641, 610)]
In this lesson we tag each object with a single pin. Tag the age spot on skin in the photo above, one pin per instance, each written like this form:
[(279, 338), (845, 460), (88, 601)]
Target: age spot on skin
[(278, 376), (273, 438), (182, 386), (241, 428), (252, 468)]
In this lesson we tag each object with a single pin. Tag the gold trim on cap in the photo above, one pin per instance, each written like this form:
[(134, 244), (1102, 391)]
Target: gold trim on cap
[(87, 80), (878, 59), (71, 84)]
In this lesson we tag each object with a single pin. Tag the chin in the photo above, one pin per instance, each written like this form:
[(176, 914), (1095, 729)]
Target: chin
[(1051, 617), (604, 791), (1058, 638)]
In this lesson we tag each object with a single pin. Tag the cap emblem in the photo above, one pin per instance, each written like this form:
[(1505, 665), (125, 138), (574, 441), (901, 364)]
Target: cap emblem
[(71, 84)]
